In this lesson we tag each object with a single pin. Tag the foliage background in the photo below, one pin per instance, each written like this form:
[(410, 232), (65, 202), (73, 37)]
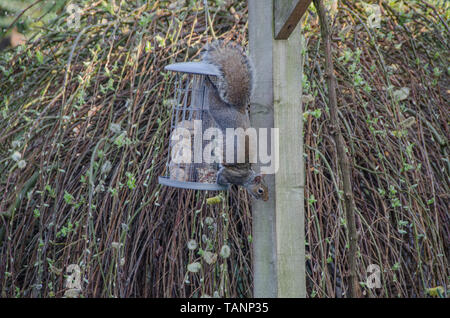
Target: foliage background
[(84, 118)]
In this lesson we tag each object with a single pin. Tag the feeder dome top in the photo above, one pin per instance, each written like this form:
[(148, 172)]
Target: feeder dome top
[(194, 68)]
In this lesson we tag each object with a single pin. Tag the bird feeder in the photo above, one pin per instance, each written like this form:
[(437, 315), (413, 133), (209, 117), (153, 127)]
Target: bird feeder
[(190, 119)]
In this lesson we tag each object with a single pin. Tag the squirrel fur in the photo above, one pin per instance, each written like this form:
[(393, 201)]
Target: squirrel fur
[(228, 103)]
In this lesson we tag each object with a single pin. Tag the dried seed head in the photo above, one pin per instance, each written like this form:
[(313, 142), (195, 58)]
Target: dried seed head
[(210, 257), (16, 156), (22, 164), (192, 245), (209, 220), (225, 251), (194, 267), (115, 128)]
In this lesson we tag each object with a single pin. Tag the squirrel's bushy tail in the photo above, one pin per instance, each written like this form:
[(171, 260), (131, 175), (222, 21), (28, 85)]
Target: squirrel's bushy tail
[(236, 83)]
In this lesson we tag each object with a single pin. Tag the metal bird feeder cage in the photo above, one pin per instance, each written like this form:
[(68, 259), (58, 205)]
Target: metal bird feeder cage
[(190, 114)]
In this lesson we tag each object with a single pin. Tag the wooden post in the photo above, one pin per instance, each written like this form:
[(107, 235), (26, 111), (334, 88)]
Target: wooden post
[(278, 225), (289, 180), (261, 115)]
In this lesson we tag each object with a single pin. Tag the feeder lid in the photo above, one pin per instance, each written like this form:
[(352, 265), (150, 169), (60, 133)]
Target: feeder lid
[(194, 68)]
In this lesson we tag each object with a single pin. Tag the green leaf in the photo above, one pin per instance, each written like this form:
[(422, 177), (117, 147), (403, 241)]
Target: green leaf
[(39, 57)]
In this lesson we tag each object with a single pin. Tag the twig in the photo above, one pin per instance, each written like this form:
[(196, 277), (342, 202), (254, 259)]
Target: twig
[(343, 159)]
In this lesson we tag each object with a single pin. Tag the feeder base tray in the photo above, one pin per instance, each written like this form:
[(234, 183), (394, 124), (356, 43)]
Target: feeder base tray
[(191, 185)]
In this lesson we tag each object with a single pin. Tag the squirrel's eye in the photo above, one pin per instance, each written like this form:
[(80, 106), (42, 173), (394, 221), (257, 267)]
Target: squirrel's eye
[(260, 190)]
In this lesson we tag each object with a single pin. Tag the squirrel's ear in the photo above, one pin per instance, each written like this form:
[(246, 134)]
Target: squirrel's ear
[(257, 179)]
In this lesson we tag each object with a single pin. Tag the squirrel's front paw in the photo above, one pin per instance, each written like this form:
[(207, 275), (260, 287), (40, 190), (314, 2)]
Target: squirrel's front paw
[(221, 178)]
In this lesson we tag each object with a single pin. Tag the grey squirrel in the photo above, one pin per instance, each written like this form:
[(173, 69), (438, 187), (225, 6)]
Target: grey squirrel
[(228, 107)]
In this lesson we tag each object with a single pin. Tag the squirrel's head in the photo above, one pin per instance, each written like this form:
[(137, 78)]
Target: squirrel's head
[(258, 188)]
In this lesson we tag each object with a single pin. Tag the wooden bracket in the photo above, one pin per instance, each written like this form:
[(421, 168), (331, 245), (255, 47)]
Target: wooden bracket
[(287, 14)]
